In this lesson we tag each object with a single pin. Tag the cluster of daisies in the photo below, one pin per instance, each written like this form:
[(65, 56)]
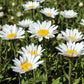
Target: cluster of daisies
[(31, 54), (71, 48)]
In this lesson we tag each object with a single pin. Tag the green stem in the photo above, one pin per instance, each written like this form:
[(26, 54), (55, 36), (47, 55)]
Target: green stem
[(46, 70), (27, 78), (70, 71), (44, 46), (19, 79), (0, 54), (26, 36), (34, 77)]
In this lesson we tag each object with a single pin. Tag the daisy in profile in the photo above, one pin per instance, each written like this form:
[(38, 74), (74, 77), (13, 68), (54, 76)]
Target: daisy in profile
[(31, 5), (41, 1), (82, 22), (11, 32), (72, 35), (32, 49), (71, 49), (59, 36), (50, 12), (26, 63), (25, 23), (69, 14), (43, 29)]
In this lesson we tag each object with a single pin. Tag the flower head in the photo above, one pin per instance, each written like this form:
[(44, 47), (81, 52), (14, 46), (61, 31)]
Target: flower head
[(31, 5), (13, 3), (11, 32), (71, 49), (49, 12), (82, 22), (41, 1), (1, 14), (26, 63), (19, 14), (43, 29), (81, 4), (68, 13), (1, 7), (25, 23), (32, 49), (72, 35)]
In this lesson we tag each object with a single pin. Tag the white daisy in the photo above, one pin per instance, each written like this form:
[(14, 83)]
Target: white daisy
[(72, 35), (11, 32), (43, 29), (25, 23), (41, 1), (31, 5), (68, 13), (71, 49), (26, 63), (32, 49), (49, 12), (82, 22)]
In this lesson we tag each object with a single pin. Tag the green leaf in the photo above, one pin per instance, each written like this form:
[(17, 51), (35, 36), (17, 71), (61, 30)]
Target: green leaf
[(57, 81), (77, 81), (1, 76)]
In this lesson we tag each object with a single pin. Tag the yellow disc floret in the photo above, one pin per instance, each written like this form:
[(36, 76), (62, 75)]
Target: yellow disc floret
[(70, 16), (31, 6), (43, 32), (72, 38), (11, 36), (26, 66), (71, 52), (35, 53), (48, 14)]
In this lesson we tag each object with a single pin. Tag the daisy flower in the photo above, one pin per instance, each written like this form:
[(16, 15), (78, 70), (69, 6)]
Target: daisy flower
[(50, 12), (31, 5), (43, 29), (68, 13), (41, 1), (32, 49), (71, 49), (82, 22), (72, 35), (26, 63), (25, 23), (11, 32)]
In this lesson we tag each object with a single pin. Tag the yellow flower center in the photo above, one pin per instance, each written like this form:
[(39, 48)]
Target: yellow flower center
[(11, 36), (48, 14), (31, 6), (35, 53), (72, 38), (43, 32), (70, 16), (26, 66), (71, 52)]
